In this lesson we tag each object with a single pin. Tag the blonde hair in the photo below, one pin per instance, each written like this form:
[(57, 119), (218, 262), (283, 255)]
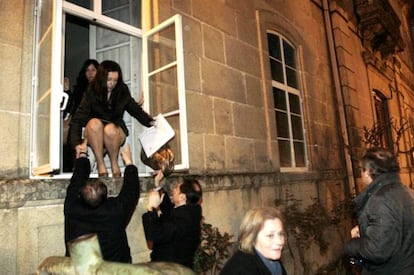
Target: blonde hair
[(252, 223)]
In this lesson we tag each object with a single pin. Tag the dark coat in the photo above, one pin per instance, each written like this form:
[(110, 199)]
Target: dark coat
[(112, 110), (176, 234), (109, 220), (242, 263), (386, 226)]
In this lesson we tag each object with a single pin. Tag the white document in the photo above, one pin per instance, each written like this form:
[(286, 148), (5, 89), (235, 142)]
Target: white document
[(153, 138)]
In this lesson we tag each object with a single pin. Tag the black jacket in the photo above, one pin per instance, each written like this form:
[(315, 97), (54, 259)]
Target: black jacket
[(109, 220), (112, 110), (386, 224), (242, 263), (176, 234)]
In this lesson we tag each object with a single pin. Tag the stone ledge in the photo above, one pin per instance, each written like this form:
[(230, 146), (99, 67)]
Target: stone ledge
[(17, 193)]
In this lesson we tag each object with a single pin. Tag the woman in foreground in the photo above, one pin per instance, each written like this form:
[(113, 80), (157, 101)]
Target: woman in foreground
[(260, 244)]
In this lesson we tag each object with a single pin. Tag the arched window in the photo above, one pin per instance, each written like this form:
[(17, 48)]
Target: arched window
[(287, 102)]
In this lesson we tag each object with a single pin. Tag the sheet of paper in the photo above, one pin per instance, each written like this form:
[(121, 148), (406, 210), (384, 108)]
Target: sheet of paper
[(153, 138)]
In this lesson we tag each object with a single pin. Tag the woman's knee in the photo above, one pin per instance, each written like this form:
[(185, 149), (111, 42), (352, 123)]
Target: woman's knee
[(94, 125), (113, 132)]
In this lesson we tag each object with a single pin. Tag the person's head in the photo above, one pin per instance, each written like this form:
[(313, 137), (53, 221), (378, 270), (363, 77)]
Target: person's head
[(186, 191), (377, 161), (109, 75), (262, 229), (88, 71), (94, 193)]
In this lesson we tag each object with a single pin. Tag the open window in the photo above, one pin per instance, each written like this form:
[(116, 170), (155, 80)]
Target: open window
[(107, 30), (163, 80), (47, 88)]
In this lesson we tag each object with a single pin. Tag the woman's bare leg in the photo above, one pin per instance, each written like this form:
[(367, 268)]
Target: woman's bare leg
[(94, 131), (113, 138)]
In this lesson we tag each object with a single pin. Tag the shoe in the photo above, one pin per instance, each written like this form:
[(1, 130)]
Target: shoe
[(103, 175), (116, 175)]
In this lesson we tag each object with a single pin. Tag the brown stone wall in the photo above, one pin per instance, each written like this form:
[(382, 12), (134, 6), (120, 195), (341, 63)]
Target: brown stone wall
[(231, 125), (15, 81)]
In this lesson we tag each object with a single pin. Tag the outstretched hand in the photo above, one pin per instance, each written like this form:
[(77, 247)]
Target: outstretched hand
[(154, 200), (81, 148), (125, 152)]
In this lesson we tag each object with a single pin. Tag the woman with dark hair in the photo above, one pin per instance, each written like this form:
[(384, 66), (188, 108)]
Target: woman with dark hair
[(86, 74), (260, 244), (101, 114)]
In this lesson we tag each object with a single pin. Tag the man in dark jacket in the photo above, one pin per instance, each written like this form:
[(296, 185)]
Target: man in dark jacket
[(383, 241), (88, 210), (173, 227)]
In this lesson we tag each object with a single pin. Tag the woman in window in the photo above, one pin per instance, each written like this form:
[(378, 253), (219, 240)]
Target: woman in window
[(101, 114), (85, 76), (260, 244)]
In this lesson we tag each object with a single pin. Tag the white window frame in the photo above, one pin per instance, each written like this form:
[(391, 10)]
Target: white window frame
[(179, 64), (46, 170), (290, 90)]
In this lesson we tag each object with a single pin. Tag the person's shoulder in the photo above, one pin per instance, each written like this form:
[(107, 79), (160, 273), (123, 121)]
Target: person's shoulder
[(123, 89), (240, 263)]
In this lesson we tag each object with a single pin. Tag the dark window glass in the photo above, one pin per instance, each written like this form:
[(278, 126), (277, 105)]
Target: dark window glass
[(279, 97), (297, 127), (282, 125), (284, 153), (87, 4), (294, 104), (291, 78), (274, 46), (299, 154), (289, 54), (277, 70)]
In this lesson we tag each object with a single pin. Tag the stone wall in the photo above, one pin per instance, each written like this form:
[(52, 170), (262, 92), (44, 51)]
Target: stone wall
[(32, 227), (231, 125)]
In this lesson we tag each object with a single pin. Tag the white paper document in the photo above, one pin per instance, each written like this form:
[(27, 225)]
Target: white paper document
[(153, 138)]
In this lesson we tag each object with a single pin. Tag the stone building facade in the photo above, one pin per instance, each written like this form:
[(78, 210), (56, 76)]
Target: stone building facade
[(277, 97)]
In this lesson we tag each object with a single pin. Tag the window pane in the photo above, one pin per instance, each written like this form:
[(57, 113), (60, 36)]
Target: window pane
[(291, 78), (161, 48), (279, 97), (87, 4), (297, 130), (289, 54), (106, 37), (163, 91), (282, 125), (294, 104), (127, 11), (300, 154), (277, 70), (284, 153), (274, 46)]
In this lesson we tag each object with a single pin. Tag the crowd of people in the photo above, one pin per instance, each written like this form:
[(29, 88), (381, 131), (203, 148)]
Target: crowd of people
[(382, 242)]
